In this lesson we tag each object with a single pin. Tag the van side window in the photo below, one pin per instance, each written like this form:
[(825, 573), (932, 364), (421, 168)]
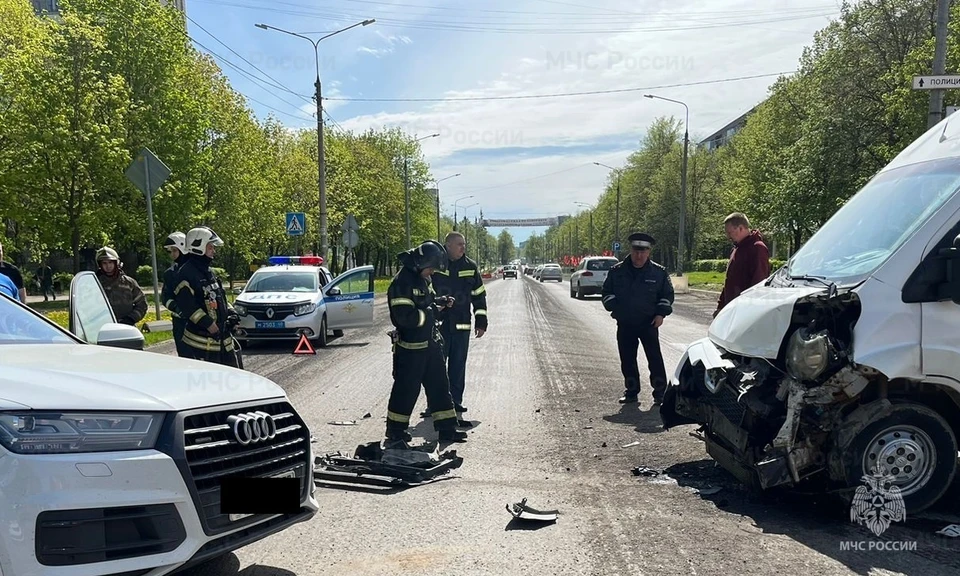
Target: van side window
[(924, 283)]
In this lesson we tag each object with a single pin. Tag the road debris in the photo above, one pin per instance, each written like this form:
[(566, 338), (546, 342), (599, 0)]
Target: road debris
[(521, 511), (343, 423), (951, 531), (604, 445), (373, 465), (367, 415), (631, 445), (645, 471), (588, 427), (708, 491)]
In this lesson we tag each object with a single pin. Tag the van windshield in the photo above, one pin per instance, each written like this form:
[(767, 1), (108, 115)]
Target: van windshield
[(873, 224)]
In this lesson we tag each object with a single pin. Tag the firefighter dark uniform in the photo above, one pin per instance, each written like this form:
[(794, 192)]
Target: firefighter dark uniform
[(167, 297), (202, 303), (636, 295), (463, 282), (418, 347), (124, 293)]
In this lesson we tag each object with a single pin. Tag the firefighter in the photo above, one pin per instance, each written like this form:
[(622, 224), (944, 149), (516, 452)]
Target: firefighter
[(124, 293), (462, 281), (202, 303), (638, 294), (175, 247), (418, 359)]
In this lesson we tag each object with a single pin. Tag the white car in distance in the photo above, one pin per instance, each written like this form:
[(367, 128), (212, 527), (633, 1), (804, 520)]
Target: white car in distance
[(589, 276), (117, 460), (296, 295)]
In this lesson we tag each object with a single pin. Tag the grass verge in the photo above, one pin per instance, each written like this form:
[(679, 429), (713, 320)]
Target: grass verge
[(706, 280)]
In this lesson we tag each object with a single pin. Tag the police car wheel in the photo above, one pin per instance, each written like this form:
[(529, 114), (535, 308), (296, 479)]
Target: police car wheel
[(915, 447), (322, 336)]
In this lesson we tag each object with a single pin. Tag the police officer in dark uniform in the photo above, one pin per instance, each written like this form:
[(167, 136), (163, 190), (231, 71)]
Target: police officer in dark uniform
[(175, 246), (202, 303), (462, 281), (638, 293), (418, 358)]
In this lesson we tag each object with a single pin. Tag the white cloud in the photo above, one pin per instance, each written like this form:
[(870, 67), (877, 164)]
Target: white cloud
[(492, 65)]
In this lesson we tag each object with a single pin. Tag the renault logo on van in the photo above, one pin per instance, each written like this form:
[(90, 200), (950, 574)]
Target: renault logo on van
[(252, 427), (269, 312)]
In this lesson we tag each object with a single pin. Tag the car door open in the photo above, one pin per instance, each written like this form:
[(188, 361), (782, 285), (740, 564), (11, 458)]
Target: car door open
[(92, 318), (349, 299)]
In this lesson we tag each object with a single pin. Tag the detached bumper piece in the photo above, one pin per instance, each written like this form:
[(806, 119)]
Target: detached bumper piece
[(521, 511), (371, 465), (76, 537)]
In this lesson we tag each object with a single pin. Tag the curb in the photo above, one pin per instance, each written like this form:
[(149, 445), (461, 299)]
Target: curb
[(710, 293)]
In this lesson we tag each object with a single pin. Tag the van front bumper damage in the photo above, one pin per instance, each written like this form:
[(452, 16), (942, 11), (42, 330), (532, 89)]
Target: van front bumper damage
[(762, 426)]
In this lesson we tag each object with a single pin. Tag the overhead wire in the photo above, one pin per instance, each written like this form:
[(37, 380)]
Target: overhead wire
[(560, 94), (257, 81)]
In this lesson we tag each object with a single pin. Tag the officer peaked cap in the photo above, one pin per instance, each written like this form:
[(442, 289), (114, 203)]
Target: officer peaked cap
[(641, 240)]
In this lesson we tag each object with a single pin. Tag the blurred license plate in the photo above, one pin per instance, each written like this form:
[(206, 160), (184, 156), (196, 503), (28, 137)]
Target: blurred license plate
[(277, 324), (287, 474)]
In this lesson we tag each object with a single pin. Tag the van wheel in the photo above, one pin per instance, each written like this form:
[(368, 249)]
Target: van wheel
[(914, 446), (322, 336), (573, 292)]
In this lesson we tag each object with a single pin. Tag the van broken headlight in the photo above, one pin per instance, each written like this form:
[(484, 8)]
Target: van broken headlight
[(808, 355)]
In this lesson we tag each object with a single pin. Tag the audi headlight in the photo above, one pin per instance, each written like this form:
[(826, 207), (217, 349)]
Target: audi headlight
[(68, 433), (808, 355), (240, 309), (304, 309)]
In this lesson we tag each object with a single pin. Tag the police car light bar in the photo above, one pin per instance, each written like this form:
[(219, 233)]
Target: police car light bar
[(305, 260)]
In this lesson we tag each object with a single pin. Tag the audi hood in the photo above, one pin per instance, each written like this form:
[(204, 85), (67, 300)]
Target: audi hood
[(98, 378)]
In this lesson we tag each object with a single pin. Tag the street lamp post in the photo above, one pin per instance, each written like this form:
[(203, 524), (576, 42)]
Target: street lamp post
[(321, 165), (406, 186), (617, 217), (591, 223), (683, 179), (437, 182), (465, 210), (455, 209)]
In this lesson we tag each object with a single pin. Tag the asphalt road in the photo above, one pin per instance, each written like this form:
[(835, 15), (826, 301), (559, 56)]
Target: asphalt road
[(542, 386)]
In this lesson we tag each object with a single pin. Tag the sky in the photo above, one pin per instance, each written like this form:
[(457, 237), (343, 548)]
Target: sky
[(458, 66)]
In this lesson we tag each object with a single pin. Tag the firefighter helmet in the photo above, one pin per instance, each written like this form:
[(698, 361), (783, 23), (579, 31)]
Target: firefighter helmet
[(176, 240), (107, 253), (199, 238), (429, 254)]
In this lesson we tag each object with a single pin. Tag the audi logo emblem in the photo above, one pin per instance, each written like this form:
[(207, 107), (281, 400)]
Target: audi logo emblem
[(252, 427)]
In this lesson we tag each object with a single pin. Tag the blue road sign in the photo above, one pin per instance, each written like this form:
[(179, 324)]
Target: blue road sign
[(616, 246), (296, 223)]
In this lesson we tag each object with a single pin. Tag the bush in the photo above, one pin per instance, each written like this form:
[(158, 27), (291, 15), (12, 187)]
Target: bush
[(721, 265), (61, 281), (776, 264), (144, 275), (221, 274)]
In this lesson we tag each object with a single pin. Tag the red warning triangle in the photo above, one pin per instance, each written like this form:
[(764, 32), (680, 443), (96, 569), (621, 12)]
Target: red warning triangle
[(304, 343)]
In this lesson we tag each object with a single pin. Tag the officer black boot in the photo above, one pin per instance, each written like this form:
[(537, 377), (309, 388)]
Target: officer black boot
[(629, 398)]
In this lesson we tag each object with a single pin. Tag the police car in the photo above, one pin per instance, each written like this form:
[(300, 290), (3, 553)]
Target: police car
[(297, 295)]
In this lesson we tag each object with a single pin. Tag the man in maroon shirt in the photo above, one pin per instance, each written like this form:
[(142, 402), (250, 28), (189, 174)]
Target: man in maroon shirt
[(749, 263)]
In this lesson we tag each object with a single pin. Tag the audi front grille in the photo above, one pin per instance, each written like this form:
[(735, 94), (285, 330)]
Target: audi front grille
[(248, 441)]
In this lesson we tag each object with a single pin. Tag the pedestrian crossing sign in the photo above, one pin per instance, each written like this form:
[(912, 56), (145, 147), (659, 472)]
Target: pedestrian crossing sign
[(296, 223)]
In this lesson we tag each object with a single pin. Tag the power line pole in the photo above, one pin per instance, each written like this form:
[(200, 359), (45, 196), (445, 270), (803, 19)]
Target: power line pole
[(406, 195), (939, 62)]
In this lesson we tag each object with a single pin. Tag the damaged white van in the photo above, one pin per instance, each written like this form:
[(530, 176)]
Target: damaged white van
[(846, 361)]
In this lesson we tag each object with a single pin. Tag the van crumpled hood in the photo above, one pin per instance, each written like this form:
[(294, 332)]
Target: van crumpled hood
[(755, 322), (87, 377)]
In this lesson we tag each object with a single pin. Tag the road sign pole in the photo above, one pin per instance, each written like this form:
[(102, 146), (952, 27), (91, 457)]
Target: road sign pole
[(153, 242), (939, 62)]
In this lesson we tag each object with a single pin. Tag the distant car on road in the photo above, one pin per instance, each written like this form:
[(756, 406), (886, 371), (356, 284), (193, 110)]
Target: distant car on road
[(551, 272), (589, 276), (510, 271)]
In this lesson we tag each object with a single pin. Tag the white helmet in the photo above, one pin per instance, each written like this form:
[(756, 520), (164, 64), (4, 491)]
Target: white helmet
[(176, 240), (199, 238)]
